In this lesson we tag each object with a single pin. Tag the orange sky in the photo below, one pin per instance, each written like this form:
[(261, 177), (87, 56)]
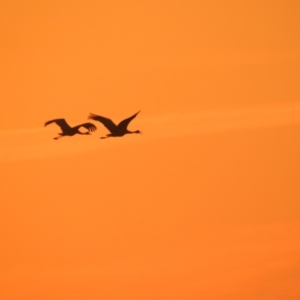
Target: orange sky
[(204, 204)]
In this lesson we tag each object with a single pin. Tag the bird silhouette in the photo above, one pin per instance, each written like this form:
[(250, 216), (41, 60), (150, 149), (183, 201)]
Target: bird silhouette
[(115, 130), (67, 130)]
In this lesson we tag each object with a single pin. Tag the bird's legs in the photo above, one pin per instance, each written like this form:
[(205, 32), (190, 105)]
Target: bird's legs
[(58, 137), (105, 137)]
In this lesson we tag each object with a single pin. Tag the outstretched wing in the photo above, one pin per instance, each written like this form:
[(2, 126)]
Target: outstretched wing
[(123, 124), (108, 123), (61, 123), (89, 126)]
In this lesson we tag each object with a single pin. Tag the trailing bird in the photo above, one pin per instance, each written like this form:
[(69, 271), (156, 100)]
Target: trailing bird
[(115, 130), (67, 130)]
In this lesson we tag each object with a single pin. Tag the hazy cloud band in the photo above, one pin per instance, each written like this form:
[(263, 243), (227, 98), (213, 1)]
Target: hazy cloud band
[(37, 142)]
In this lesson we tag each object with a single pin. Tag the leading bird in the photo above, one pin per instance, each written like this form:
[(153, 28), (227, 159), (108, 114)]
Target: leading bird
[(115, 130), (67, 130)]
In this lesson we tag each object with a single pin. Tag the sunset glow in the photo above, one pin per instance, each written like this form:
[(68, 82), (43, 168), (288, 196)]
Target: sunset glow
[(204, 204)]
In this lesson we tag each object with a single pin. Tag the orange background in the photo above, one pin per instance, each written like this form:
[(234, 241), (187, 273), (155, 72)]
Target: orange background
[(204, 204)]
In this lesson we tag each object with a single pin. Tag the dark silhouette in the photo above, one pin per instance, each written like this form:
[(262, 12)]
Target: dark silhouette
[(70, 131), (115, 130)]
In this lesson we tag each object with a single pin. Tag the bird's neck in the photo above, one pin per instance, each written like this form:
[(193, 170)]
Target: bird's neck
[(132, 131)]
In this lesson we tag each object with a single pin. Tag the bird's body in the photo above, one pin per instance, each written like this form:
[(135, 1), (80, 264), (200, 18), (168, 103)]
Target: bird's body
[(115, 130), (67, 130)]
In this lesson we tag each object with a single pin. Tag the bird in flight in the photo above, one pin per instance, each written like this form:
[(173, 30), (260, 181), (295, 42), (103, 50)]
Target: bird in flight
[(67, 130), (115, 130)]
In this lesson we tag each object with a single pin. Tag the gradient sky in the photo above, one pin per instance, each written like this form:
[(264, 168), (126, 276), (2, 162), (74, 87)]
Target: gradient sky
[(204, 204)]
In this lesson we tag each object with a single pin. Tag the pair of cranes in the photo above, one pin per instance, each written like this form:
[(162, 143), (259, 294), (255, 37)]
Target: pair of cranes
[(115, 130)]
